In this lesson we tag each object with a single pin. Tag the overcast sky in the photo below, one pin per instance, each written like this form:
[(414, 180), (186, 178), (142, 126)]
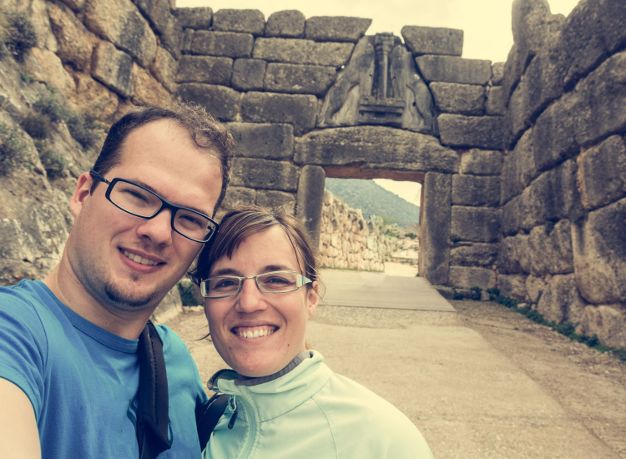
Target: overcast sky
[(486, 25)]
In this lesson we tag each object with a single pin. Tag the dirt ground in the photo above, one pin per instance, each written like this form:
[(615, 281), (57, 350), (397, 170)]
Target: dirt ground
[(589, 386)]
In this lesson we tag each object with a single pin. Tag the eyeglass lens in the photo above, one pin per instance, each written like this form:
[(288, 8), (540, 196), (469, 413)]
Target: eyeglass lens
[(143, 203), (270, 282)]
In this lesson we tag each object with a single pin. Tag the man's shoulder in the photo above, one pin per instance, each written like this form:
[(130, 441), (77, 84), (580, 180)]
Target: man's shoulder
[(172, 343), (23, 299)]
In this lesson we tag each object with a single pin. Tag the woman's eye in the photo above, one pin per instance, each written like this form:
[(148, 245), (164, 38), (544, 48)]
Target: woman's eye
[(223, 284)]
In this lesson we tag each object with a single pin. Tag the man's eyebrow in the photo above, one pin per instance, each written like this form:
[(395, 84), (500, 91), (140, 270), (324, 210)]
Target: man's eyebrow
[(148, 187)]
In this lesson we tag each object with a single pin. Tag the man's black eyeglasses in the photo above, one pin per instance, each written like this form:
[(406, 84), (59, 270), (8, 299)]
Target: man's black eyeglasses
[(141, 202)]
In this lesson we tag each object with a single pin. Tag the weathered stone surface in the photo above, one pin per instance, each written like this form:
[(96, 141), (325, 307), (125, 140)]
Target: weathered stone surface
[(94, 97), (277, 200), (495, 101), (454, 69), (468, 277), (270, 141), (43, 65), (519, 167), (599, 244), (466, 99), (550, 249), (302, 51), (163, 21), (535, 287), (513, 257), (604, 92), (299, 79), (165, 68), (248, 74), (169, 307), (434, 259), (113, 68), (433, 40), (298, 110), (264, 174), (471, 131), (237, 196), (36, 11), (478, 254), (372, 147), (592, 30), (560, 300), (287, 24), (335, 28), (76, 5), (195, 18), (497, 73), (74, 43), (205, 69), (512, 286), (221, 101), (472, 190), (602, 173), (231, 20), (606, 322), (147, 90), (477, 224), (121, 23), (229, 44), (310, 200), (481, 162)]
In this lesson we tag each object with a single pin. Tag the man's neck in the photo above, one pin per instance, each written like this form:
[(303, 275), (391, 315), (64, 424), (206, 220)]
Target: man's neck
[(69, 290)]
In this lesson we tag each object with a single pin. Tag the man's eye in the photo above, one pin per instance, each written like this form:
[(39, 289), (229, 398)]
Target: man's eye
[(191, 221)]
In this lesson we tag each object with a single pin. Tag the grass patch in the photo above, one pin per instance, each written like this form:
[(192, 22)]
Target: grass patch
[(564, 328), (11, 149), (18, 35), (54, 163)]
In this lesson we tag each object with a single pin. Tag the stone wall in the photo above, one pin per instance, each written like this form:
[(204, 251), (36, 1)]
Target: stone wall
[(563, 182), (350, 241)]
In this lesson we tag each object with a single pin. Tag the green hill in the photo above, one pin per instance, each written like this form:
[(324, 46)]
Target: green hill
[(373, 199)]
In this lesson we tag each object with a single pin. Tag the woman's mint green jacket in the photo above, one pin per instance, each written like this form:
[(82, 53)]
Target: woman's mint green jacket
[(310, 413)]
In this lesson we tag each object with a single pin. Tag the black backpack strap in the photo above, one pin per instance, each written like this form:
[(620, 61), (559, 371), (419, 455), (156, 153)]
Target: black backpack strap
[(152, 413), (207, 416)]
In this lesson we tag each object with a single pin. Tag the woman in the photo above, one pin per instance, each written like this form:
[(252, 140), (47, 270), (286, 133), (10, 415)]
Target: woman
[(259, 280)]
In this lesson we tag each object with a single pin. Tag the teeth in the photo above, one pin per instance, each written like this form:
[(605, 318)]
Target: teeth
[(252, 333), (140, 260)]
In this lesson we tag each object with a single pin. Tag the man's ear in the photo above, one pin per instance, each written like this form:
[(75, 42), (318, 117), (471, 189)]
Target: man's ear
[(312, 298), (81, 192)]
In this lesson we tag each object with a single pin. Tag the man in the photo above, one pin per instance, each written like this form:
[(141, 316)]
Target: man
[(68, 345)]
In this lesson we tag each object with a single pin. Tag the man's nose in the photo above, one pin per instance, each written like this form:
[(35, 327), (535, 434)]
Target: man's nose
[(250, 298), (158, 228)]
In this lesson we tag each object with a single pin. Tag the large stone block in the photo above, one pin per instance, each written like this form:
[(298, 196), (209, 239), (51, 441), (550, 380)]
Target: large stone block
[(249, 74), (497, 73), (74, 43), (481, 162), (264, 174), (478, 254), (237, 196), (512, 216), (434, 259), (310, 199), (466, 99), (469, 277), (229, 44), (550, 249), (297, 51), (120, 22), (163, 21), (205, 69), (471, 131), (454, 69), (472, 190), (592, 30), (298, 110), (286, 24), (113, 68), (599, 244), (513, 256), (164, 68), (604, 92), (231, 20), (495, 101), (433, 40), (607, 322), (375, 147), (95, 97), (535, 287), (147, 90), (43, 65), (269, 141), (477, 224), (195, 18), (302, 79), (602, 173), (276, 200), (220, 101), (512, 286), (560, 300), (336, 28), (519, 167)]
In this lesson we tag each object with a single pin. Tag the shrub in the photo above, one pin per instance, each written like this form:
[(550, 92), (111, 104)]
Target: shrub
[(19, 35), (83, 129), (50, 106), (11, 148), (475, 293), (54, 163), (36, 125)]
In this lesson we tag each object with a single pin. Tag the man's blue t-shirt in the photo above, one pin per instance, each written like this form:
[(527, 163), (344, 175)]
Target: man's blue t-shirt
[(82, 380)]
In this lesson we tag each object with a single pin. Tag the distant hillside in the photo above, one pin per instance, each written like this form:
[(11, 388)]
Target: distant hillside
[(372, 199)]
